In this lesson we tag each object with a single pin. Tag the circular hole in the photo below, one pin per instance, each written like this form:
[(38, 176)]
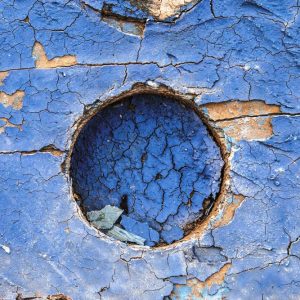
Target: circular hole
[(146, 170)]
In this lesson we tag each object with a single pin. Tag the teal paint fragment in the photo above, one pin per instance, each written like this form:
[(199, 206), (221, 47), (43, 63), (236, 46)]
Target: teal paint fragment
[(125, 236), (105, 218)]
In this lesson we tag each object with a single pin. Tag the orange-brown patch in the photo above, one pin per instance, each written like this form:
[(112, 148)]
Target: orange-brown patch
[(249, 128), (14, 100), (42, 62), (236, 109)]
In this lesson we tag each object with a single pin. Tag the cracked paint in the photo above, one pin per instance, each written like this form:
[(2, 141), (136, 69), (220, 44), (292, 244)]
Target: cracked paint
[(236, 62)]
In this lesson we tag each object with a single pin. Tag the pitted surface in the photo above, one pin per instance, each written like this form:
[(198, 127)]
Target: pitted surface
[(153, 157)]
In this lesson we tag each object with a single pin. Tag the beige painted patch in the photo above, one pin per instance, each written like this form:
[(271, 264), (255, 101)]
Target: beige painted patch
[(8, 124), (14, 100), (42, 62), (198, 287), (3, 75), (236, 109), (250, 128)]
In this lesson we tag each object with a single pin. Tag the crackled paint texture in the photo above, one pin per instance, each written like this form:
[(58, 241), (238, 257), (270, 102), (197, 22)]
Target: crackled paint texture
[(209, 52), (154, 158)]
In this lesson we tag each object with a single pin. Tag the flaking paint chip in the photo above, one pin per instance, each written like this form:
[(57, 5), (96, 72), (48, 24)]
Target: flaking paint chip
[(105, 218)]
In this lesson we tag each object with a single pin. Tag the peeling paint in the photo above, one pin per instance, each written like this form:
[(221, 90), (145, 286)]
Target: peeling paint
[(130, 27), (14, 100), (248, 128), (198, 289), (5, 248), (160, 10), (243, 120), (163, 9), (42, 62), (237, 109), (4, 123), (3, 75), (38, 296), (226, 213)]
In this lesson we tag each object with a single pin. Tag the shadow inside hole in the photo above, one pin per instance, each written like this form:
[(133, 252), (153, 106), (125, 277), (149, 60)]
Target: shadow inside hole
[(154, 158)]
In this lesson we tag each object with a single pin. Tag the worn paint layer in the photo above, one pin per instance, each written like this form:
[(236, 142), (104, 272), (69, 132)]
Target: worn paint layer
[(238, 109), (163, 9), (3, 75), (196, 289), (251, 129), (243, 120), (14, 100), (212, 53), (42, 62)]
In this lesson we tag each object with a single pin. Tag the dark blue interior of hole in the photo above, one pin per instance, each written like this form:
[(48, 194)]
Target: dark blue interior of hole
[(153, 157)]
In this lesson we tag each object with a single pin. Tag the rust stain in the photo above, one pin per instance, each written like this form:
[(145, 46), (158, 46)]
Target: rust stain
[(3, 75), (236, 109), (249, 128), (42, 61), (14, 100)]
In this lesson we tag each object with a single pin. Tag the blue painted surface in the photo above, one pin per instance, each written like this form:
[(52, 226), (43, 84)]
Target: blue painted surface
[(218, 51)]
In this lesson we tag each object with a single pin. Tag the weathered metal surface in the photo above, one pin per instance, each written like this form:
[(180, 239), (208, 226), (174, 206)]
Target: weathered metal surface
[(60, 61)]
